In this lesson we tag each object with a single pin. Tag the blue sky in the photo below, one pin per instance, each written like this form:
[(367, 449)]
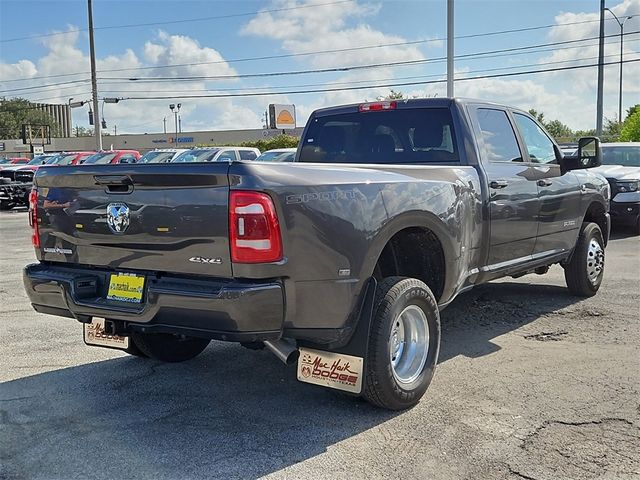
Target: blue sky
[(214, 44)]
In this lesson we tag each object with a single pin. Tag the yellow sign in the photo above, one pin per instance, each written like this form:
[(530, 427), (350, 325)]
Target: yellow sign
[(285, 116), (126, 287)]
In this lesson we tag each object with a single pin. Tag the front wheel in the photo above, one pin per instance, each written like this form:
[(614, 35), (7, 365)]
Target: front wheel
[(584, 272), (403, 345), (167, 347)]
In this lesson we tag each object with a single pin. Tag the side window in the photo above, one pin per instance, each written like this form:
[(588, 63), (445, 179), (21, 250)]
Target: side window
[(500, 142), (247, 155), (227, 156), (539, 145), (128, 158)]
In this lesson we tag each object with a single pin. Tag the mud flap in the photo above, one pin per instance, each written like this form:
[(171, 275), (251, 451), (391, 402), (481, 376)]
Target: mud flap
[(342, 368)]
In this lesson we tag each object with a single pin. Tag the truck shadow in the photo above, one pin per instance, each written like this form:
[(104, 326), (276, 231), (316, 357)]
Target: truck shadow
[(230, 413), (493, 309)]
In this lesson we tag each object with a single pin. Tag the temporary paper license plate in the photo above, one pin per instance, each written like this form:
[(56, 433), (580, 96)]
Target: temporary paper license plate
[(126, 287), (94, 334)]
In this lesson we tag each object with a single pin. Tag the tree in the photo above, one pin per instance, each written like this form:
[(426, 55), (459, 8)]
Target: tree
[(83, 132), (16, 112), (557, 129), (393, 95), (631, 127), (538, 116)]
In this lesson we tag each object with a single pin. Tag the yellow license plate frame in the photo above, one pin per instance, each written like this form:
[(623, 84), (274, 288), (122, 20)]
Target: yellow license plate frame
[(126, 287)]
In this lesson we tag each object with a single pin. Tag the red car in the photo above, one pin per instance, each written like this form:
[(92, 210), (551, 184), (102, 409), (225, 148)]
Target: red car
[(113, 156), (25, 174), (19, 160)]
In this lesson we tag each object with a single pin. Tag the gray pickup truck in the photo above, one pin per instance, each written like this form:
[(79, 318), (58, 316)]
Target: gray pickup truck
[(339, 261)]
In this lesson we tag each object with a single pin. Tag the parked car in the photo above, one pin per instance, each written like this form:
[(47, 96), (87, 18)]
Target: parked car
[(9, 170), (112, 156), (161, 155), (278, 155), (621, 168), (343, 258), (19, 160), (217, 154)]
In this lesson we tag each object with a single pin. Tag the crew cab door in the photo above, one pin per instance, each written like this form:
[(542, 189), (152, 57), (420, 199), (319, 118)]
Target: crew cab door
[(513, 192), (559, 195)]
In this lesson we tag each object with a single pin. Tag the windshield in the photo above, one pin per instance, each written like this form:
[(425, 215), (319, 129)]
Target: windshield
[(404, 136), (62, 159), (276, 157), (36, 160), (621, 155), (196, 156), (156, 157), (101, 158)]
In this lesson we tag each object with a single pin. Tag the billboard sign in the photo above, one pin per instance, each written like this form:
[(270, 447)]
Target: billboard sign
[(282, 117)]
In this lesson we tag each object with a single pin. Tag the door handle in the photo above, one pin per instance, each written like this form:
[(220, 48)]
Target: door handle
[(544, 183), (497, 184)]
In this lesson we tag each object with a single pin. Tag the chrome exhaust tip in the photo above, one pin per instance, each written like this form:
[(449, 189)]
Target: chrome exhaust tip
[(284, 349)]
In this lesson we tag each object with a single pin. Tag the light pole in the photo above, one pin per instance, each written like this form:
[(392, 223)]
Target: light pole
[(621, 24), (175, 109), (94, 81)]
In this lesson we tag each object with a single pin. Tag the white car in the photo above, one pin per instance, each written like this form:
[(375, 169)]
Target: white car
[(161, 155), (278, 155), (217, 154)]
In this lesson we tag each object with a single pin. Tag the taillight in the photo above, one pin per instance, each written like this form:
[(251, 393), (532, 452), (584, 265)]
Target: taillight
[(33, 217), (254, 231), (377, 106)]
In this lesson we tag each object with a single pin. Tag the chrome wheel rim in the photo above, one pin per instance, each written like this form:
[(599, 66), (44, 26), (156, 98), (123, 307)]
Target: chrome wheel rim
[(409, 344), (595, 261)]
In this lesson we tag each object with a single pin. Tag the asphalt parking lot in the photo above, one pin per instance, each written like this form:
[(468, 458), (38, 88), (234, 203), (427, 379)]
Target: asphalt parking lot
[(532, 383)]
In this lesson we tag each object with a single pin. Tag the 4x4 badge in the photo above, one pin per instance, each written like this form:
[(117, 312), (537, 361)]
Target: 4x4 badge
[(118, 217)]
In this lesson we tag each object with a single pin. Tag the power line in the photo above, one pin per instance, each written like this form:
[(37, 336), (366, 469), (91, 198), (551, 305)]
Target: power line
[(43, 86), (245, 89), (348, 68), (325, 90), (171, 22), (471, 56), (435, 60), (317, 52)]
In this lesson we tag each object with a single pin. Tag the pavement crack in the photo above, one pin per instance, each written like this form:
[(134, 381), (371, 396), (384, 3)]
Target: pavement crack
[(547, 336)]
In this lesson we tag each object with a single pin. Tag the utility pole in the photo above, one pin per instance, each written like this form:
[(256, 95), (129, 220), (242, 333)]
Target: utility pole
[(115, 130), (94, 81), (164, 125), (450, 48), (600, 72), (621, 24), (180, 123), (175, 109)]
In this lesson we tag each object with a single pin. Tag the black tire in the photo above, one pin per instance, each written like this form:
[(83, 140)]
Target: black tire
[(576, 272), (636, 228), (6, 205), (169, 348), (382, 388), (134, 350)]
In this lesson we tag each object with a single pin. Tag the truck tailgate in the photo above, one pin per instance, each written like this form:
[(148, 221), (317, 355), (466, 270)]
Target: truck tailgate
[(146, 217)]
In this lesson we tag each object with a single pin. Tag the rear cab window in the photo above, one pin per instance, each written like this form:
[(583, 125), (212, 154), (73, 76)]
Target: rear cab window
[(398, 136), (247, 155)]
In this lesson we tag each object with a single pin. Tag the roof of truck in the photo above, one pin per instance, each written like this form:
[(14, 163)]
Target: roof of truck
[(415, 102)]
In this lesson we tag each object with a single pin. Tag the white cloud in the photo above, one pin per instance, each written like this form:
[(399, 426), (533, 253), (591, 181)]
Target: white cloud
[(328, 28)]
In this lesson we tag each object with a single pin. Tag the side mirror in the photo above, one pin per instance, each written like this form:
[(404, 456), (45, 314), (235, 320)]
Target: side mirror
[(588, 155), (589, 152)]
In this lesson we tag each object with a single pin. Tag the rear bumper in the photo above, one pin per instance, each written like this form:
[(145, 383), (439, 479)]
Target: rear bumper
[(220, 309)]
